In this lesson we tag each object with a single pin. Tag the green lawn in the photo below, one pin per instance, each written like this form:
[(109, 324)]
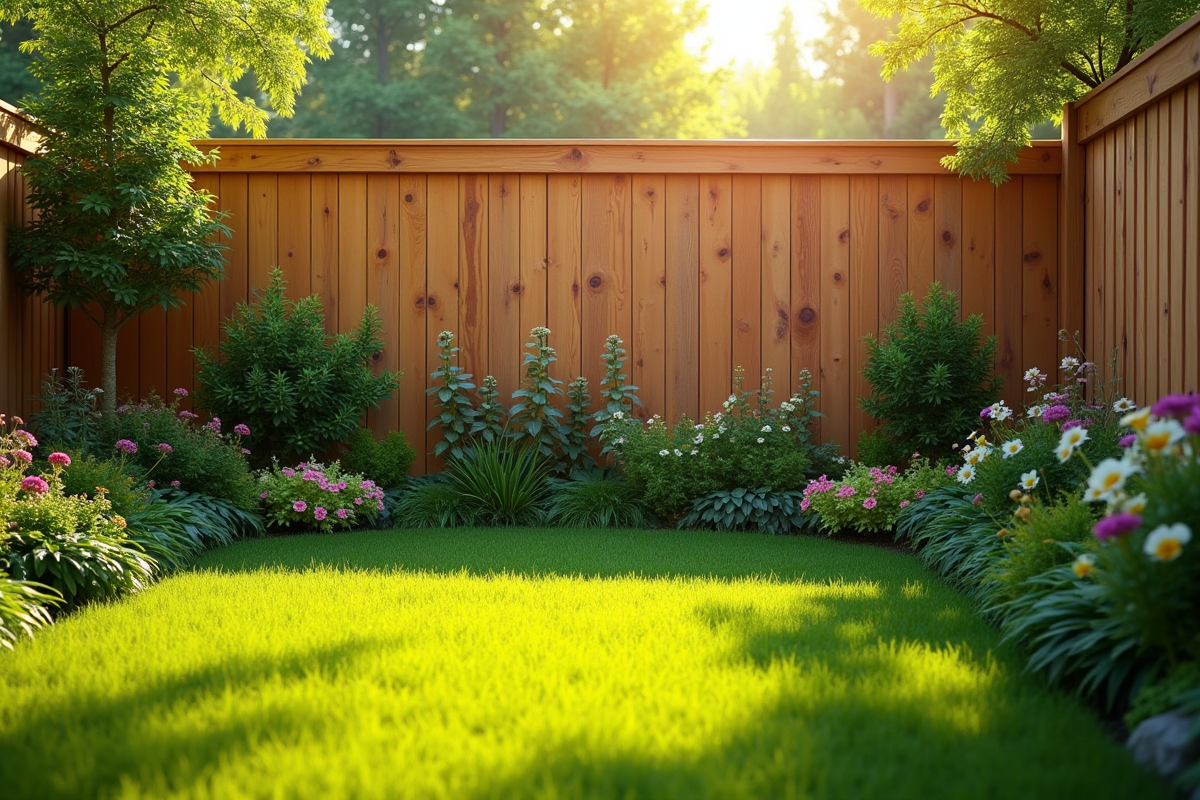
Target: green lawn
[(552, 664)]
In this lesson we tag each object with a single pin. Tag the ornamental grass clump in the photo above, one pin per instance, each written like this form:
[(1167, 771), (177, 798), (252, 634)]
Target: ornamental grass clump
[(314, 496), (929, 373), (298, 389)]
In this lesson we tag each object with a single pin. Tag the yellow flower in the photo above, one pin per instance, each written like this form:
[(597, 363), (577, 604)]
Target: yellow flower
[(1138, 420), (1084, 564), (1166, 542), (981, 441)]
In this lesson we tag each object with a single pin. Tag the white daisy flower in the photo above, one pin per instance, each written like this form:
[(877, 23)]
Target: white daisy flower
[(1109, 476), (1124, 405), (766, 428), (786, 429), (1138, 420), (1084, 564), (1166, 542), (1012, 447), (1135, 504), (1069, 363), (1073, 438), (664, 452), (1035, 411), (1029, 480), (1064, 452), (618, 415), (966, 474), (1161, 434), (678, 452), (761, 440)]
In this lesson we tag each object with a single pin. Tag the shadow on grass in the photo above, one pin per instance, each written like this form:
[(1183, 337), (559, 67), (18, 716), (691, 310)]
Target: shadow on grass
[(105, 742), (592, 553)]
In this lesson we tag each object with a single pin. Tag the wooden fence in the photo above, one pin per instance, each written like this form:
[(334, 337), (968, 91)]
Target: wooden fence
[(32, 340), (1133, 215), (702, 256)]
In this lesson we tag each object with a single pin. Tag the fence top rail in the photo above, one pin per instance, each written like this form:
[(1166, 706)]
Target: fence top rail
[(878, 157), (1170, 63), (16, 131)]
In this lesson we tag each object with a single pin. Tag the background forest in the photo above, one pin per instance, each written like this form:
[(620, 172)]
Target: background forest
[(583, 69)]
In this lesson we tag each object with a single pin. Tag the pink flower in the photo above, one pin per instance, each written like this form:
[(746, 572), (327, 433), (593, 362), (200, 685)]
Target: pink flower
[(869, 503), (1192, 423), (358, 501), (951, 470), (367, 485), (4, 461), (1055, 413), (149, 484), (288, 472), (341, 512), (214, 425), (175, 483), (1176, 405), (1071, 423), (165, 448), (34, 485), (904, 504), (978, 499), (320, 513), (126, 446), (299, 506), (30, 441), (185, 414), (181, 392), (60, 459), (241, 429), (263, 495), (845, 491), (893, 470), (1117, 526), (23, 455), (920, 493), (245, 452), (804, 504), (379, 505)]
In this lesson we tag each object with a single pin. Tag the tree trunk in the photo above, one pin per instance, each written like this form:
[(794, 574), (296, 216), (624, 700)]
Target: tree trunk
[(499, 120), (108, 367)]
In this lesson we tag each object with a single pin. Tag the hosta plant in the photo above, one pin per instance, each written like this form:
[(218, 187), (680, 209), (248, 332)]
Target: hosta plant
[(748, 509), (24, 609)]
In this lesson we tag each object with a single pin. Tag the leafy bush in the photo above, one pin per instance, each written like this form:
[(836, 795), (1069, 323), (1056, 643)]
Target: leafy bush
[(170, 449), (299, 390), (159, 529), (929, 373), (534, 416), (385, 462), (505, 482), (212, 521), (91, 476), (878, 449), (617, 394), (432, 502), (748, 509), (749, 444), (595, 499), (1041, 541), (869, 499), (67, 418), (318, 497), (457, 418), (1165, 693), (827, 459), (24, 609)]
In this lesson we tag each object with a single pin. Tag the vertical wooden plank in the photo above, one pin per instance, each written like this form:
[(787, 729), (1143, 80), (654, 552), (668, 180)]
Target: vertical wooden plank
[(473, 318), (505, 335), (7, 345), (441, 304), (864, 294), (295, 233), (716, 291), (893, 245), (1072, 295), (1163, 208), (263, 229), (1177, 260), (152, 353), (1009, 291), (1149, 389), (647, 351), (1103, 356), (776, 279), (607, 250), (1095, 249), (947, 211), (1040, 281), (1191, 268), (683, 297), (746, 270), (1130, 225), (383, 285), (805, 317), (413, 300), (352, 250), (205, 330), (234, 202), (533, 253), (921, 235), (835, 310), (979, 252), (1117, 286), (326, 245), (564, 267)]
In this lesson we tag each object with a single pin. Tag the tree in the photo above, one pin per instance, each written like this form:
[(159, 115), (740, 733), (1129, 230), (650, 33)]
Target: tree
[(1006, 65), (779, 103), (118, 228)]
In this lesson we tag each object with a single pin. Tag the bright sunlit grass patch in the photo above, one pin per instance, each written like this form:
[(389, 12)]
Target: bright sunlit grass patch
[(542, 664)]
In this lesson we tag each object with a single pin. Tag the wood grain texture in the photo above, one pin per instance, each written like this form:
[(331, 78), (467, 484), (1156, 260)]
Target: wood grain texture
[(607, 268), (383, 286), (921, 235), (893, 246), (474, 315), (776, 278), (352, 250), (805, 316), (294, 255), (533, 252), (442, 287), (325, 228), (1040, 279), (716, 290), (1191, 269), (262, 233), (1009, 289), (683, 297), (835, 311), (647, 351), (947, 247), (413, 347), (564, 272), (864, 293), (506, 336)]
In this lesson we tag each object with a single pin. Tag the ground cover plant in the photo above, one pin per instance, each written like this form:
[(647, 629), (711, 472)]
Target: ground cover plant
[(537, 663)]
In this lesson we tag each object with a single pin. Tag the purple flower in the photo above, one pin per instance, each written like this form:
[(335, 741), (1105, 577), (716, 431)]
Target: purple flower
[(341, 512), (23, 455), (241, 429), (1192, 423), (367, 485), (299, 506), (165, 448), (185, 414), (987, 412), (288, 472), (1127, 440), (1071, 423), (181, 392), (845, 491), (951, 470), (804, 504), (175, 483), (263, 495), (126, 446), (1055, 413), (920, 493), (34, 485), (245, 452), (358, 501), (214, 425), (320, 513), (1117, 525), (1176, 405), (30, 441), (60, 459), (904, 504), (379, 505), (869, 503)]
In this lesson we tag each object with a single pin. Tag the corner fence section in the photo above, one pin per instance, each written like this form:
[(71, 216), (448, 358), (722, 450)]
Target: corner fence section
[(701, 256)]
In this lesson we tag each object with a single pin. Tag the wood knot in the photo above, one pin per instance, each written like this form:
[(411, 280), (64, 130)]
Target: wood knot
[(1046, 281), (662, 280), (595, 281), (393, 160), (844, 235), (723, 252), (837, 277), (808, 315), (575, 288), (1033, 256), (575, 154), (892, 210), (922, 206), (876, 163), (420, 301), (743, 325), (327, 211), (381, 254), (315, 161), (431, 301), (377, 356), (515, 287), (291, 253), (947, 236), (408, 198), (650, 193)]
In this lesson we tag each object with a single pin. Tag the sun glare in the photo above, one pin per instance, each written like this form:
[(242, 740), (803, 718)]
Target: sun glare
[(740, 30)]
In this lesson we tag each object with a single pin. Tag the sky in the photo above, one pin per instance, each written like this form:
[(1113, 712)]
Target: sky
[(740, 30)]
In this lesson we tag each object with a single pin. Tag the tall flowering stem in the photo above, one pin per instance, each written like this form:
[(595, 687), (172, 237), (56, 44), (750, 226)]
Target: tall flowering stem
[(456, 415), (616, 393), (534, 413), (575, 450), (492, 419)]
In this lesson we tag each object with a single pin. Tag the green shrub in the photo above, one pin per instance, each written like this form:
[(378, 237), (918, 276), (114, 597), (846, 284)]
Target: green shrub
[(91, 477), (505, 482), (432, 502), (929, 373), (748, 509), (386, 462), (870, 499), (878, 449), (24, 609), (595, 499), (67, 417), (318, 497), (212, 521), (160, 529), (1035, 544), (534, 416), (827, 459), (1165, 693), (276, 370)]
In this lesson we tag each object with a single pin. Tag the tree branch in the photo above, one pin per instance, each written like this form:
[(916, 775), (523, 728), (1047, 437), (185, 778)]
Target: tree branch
[(136, 12), (1078, 73)]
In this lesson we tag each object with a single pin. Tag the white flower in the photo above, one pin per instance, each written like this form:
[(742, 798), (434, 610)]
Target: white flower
[(1109, 477), (786, 429), (618, 415), (1166, 542), (1135, 504), (695, 452), (1032, 373), (716, 436), (975, 457), (1084, 564), (1002, 413), (1073, 438), (678, 452), (1138, 420), (966, 474), (699, 438), (1093, 495), (1029, 480), (720, 429), (1070, 362), (1035, 411), (786, 406), (766, 428), (1124, 405), (732, 399), (699, 426), (1012, 447), (1161, 434), (664, 452), (761, 440), (1064, 452)]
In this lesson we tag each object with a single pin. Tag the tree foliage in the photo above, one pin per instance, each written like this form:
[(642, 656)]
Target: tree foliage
[(1006, 65)]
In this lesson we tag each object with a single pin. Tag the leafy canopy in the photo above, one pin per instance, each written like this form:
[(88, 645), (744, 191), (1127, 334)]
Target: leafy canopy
[(1006, 65)]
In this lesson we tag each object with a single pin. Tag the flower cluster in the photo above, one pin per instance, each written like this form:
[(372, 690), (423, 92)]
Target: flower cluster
[(869, 499), (316, 496)]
